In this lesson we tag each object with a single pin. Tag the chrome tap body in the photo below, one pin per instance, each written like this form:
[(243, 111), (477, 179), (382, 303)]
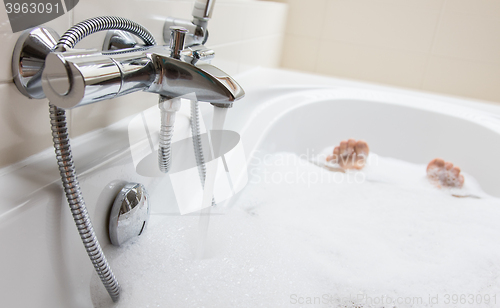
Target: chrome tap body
[(78, 77)]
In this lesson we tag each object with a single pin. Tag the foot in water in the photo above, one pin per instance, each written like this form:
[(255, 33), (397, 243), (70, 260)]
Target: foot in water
[(350, 154), (444, 174)]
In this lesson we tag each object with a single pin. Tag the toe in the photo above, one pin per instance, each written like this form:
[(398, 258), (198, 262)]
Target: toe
[(351, 143), (439, 162), (460, 181), (435, 163), (343, 148), (362, 148), (334, 156), (431, 164), (455, 171), (448, 166)]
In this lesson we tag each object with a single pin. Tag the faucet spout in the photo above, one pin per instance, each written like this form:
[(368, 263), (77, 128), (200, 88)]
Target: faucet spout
[(209, 83)]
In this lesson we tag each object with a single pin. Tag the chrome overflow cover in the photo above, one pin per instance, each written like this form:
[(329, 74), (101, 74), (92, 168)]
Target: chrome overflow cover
[(129, 214)]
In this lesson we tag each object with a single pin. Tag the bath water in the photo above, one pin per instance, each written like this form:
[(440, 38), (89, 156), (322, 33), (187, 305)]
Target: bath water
[(301, 236)]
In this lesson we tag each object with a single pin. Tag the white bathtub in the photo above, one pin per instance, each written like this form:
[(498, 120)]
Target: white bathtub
[(43, 263)]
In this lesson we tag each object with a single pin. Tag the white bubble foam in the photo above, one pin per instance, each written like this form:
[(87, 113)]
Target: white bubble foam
[(299, 233)]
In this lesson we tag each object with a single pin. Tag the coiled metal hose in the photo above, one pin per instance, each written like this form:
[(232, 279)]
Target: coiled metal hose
[(93, 25), (76, 202), (63, 148)]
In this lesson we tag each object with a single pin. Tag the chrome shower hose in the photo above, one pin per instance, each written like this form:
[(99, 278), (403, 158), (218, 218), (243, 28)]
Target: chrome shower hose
[(63, 149), (93, 25)]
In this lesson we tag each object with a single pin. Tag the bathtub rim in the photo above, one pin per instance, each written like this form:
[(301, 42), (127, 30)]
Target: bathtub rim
[(257, 88)]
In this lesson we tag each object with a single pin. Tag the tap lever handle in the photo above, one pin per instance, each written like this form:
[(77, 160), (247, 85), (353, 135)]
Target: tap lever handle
[(177, 38), (204, 54)]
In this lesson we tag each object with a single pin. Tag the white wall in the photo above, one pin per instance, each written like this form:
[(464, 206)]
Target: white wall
[(444, 46), (243, 33)]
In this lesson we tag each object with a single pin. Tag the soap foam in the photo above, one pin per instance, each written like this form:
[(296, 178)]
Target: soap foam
[(299, 233)]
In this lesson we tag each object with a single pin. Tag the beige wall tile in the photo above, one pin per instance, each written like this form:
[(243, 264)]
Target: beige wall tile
[(469, 36), (24, 123), (447, 46), (264, 19), (483, 7), (272, 59), (227, 57), (463, 78), (91, 117), (373, 64), (380, 24), (152, 19), (256, 53), (422, 4), (226, 25), (306, 18), (300, 53)]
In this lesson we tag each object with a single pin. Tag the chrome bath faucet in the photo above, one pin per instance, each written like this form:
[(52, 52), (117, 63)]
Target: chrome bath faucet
[(44, 65), (77, 77)]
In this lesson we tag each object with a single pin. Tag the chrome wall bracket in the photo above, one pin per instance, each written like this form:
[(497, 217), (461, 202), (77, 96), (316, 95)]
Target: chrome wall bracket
[(28, 59), (129, 213), (118, 39)]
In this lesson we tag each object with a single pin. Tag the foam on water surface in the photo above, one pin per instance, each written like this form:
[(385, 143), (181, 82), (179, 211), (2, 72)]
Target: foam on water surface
[(299, 233)]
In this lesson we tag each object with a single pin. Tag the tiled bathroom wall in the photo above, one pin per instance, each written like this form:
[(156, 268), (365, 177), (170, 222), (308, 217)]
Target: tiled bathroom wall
[(444, 46), (243, 33)]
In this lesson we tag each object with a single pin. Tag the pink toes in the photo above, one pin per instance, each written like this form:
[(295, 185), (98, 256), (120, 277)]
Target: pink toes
[(444, 174), (350, 154)]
